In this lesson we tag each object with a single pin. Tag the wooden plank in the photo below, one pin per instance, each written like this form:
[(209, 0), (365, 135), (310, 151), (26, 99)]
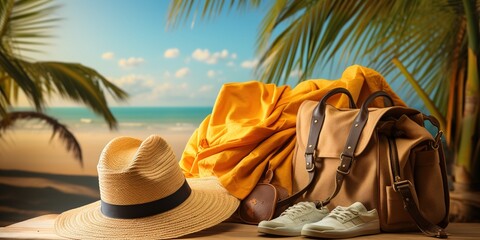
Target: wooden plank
[(35, 228), (42, 228)]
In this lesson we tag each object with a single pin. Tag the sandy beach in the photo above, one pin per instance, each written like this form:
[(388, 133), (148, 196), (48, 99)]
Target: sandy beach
[(39, 176), (34, 150)]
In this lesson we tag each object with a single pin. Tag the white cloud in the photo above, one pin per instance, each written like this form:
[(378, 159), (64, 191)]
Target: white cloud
[(211, 73), (224, 53), (156, 90), (182, 72), (171, 53), (233, 56), (130, 62), (231, 64), (141, 87), (250, 63), (169, 90), (134, 79), (135, 84), (201, 54), (204, 55), (205, 88), (215, 74), (108, 55), (213, 59), (161, 88)]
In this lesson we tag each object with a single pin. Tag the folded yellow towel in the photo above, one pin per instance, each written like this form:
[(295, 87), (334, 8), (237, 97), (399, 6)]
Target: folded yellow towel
[(252, 126)]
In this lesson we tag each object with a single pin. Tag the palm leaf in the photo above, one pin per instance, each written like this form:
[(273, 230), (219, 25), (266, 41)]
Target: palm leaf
[(26, 23), (179, 11), (79, 83), (23, 23), (371, 31), (13, 67), (4, 99), (58, 129), (421, 93)]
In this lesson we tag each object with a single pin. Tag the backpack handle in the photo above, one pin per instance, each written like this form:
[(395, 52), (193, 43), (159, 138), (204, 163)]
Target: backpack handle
[(347, 156), (321, 104), (318, 118), (316, 124)]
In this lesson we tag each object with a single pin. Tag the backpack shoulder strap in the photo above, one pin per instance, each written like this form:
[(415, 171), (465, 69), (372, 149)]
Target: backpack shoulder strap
[(316, 125), (406, 190)]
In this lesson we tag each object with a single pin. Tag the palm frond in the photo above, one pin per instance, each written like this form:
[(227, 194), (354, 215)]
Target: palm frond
[(77, 82), (426, 50), (25, 23), (13, 67), (5, 12), (372, 31), (58, 129), (269, 23), (180, 11), (421, 93), (421, 34), (4, 100)]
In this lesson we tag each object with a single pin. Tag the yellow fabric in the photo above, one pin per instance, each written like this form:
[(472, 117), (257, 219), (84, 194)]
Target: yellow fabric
[(252, 125)]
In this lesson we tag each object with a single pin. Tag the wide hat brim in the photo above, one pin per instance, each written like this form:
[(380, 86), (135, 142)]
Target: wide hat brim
[(208, 205)]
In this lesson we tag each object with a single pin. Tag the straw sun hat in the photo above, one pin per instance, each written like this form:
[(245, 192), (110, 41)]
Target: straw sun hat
[(145, 195)]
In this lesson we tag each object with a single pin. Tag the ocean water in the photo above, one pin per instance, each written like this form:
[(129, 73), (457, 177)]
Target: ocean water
[(128, 118)]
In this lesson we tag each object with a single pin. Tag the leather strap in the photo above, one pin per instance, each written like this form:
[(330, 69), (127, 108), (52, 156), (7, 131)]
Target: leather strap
[(347, 156), (405, 188), (289, 200), (316, 124), (443, 165)]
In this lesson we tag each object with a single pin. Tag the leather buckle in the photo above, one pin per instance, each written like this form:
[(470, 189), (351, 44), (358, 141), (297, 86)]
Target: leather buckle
[(401, 184), (310, 165), (342, 172), (339, 170)]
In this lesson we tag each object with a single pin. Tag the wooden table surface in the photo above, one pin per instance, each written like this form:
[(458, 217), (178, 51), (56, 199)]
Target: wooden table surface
[(42, 228)]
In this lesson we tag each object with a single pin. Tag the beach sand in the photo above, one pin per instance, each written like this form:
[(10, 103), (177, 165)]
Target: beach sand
[(34, 150), (39, 176)]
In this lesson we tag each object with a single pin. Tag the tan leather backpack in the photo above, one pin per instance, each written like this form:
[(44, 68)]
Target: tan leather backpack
[(382, 157)]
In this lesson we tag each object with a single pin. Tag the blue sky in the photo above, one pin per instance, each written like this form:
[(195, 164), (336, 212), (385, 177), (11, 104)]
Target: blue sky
[(128, 42)]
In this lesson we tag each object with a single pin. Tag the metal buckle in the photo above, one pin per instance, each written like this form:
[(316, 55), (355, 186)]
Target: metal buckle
[(342, 155), (312, 161), (342, 172), (401, 184), (437, 139)]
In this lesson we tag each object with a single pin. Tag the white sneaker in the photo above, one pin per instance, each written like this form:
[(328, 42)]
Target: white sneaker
[(345, 222), (291, 221)]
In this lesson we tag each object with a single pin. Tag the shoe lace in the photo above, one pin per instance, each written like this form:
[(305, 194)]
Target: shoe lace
[(343, 214), (295, 210)]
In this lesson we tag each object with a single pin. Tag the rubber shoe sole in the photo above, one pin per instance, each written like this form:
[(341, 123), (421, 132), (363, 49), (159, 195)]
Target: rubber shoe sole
[(280, 231), (366, 229)]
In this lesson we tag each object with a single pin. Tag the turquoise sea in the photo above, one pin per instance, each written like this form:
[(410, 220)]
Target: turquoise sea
[(128, 118)]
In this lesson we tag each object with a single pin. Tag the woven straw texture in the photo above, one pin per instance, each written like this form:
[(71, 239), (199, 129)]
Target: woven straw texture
[(132, 171)]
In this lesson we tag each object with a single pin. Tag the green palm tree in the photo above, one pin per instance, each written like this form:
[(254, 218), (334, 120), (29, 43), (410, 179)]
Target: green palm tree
[(24, 24), (434, 44)]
